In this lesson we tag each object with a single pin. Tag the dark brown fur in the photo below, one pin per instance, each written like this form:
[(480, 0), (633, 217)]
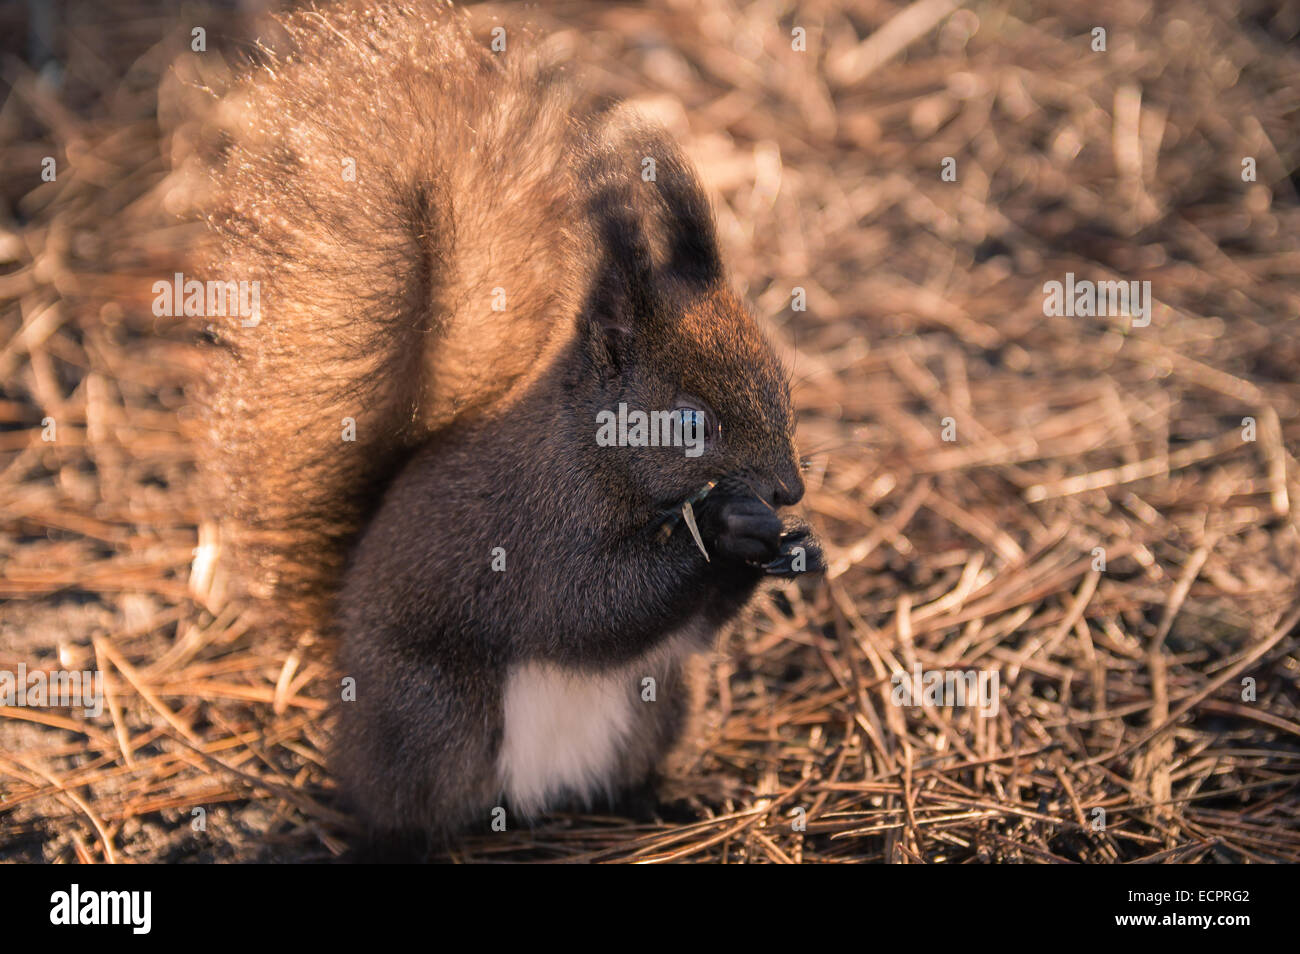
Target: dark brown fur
[(473, 173)]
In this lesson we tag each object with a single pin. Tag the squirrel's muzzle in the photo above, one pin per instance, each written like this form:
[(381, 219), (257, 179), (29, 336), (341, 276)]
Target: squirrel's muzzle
[(779, 487)]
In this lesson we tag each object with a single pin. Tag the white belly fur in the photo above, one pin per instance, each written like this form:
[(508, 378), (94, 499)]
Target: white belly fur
[(564, 728)]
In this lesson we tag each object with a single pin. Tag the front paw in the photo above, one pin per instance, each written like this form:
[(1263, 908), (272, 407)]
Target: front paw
[(740, 529), (800, 553)]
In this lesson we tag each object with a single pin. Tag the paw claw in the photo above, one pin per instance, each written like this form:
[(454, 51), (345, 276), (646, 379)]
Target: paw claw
[(800, 553)]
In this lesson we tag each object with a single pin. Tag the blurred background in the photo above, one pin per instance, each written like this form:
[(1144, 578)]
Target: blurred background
[(1099, 510)]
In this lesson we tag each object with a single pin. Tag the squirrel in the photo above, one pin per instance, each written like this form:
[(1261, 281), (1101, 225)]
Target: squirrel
[(465, 262)]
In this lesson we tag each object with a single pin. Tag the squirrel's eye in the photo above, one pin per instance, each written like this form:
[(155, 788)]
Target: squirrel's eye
[(693, 420), (698, 425), (697, 421)]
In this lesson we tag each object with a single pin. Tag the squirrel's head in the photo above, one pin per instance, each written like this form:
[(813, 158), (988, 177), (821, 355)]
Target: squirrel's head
[(671, 355)]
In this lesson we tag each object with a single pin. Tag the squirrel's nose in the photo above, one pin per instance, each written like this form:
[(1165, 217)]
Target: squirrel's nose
[(788, 490)]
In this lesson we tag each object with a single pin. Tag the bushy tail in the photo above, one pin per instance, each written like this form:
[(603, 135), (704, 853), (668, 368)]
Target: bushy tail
[(382, 176)]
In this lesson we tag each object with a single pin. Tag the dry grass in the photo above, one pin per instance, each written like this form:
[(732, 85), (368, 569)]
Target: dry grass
[(1121, 688)]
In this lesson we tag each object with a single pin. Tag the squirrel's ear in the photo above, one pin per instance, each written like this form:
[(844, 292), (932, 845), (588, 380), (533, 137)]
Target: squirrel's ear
[(609, 332), (615, 304)]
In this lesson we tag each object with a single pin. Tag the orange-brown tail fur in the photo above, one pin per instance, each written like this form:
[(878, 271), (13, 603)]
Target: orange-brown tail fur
[(392, 184)]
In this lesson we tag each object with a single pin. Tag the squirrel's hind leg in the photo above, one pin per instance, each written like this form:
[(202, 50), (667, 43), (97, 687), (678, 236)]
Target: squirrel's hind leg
[(413, 749)]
